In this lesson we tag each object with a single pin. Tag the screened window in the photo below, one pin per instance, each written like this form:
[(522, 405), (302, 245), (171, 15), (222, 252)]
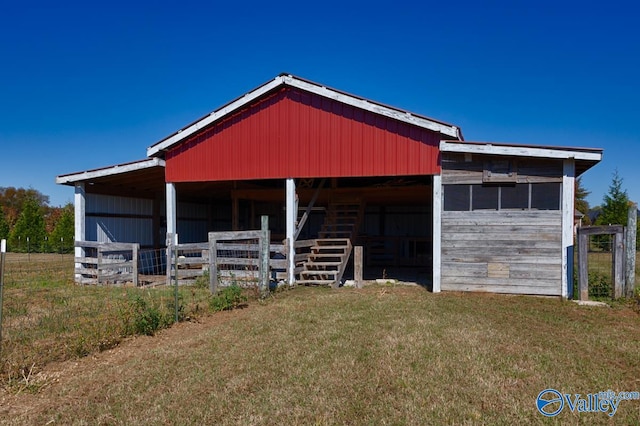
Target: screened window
[(514, 197), (545, 196), (484, 197), (521, 196), (457, 198)]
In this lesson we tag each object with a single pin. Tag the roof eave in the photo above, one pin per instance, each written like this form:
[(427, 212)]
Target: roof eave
[(73, 178), (586, 154)]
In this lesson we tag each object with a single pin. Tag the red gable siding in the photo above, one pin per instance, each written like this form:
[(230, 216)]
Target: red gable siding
[(296, 134)]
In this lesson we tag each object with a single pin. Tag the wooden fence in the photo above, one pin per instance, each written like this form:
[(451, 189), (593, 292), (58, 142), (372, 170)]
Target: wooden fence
[(107, 263), (246, 258)]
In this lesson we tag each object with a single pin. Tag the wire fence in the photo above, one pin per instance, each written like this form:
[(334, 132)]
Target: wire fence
[(47, 317), (600, 266)]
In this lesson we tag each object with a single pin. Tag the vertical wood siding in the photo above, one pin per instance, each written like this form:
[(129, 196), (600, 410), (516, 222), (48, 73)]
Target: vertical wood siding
[(292, 133), (502, 251)]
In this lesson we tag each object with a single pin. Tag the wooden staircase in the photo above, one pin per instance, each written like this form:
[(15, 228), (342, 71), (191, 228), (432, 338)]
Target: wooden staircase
[(328, 258)]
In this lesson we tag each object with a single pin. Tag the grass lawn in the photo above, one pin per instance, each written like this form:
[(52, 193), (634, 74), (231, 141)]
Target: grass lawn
[(380, 355)]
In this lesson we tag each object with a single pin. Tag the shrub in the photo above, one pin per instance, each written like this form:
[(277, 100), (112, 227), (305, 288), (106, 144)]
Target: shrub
[(202, 281), (228, 298), (145, 318), (599, 285)]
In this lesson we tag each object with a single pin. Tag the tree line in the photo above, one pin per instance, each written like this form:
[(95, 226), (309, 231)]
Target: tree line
[(29, 223)]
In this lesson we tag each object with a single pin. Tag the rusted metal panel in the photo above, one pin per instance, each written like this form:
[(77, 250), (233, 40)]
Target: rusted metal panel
[(292, 133)]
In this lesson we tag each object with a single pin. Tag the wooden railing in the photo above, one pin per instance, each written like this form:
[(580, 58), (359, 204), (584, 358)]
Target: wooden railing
[(107, 263), (303, 250)]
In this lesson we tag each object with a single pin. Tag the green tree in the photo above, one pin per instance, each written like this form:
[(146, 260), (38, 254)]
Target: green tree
[(29, 231), (12, 201), (62, 235), (615, 207), (4, 226), (582, 205)]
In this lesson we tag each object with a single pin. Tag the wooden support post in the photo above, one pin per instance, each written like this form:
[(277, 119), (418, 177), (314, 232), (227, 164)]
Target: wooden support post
[(291, 213), (265, 241), (307, 211), (583, 273), (357, 266), (252, 208), (568, 213), (99, 266), (79, 201), (170, 254), (437, 232), (171, 209), (618, 265), (213, 263), (235, 214), (134, 266), (630, 250)]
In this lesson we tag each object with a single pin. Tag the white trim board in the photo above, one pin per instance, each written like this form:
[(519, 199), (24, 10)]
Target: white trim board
[(110, 171), (291, 81), (520, 151)]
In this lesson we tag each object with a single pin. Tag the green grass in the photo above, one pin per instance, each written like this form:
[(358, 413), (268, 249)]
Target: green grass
[(48, 318), (380, 355)]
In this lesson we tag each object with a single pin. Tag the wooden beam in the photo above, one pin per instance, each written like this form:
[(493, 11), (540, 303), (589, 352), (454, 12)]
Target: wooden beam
[(79, 203), (583, 265), (357, 266), (213, 264), (235, 214), (171, 208), (110, 171), (291, 213), (437, 233), (601, 230), (520, 151), (264, 255), (307, 211), (618, 265), (568, 214), (630, 250)]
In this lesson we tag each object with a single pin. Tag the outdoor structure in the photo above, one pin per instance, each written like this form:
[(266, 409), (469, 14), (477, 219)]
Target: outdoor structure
[(331, 170)]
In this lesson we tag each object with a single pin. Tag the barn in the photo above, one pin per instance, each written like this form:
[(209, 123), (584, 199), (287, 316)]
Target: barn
[(341, 170)]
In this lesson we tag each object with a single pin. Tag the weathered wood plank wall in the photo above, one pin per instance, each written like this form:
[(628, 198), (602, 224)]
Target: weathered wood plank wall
[(456, 169), (502, 251)]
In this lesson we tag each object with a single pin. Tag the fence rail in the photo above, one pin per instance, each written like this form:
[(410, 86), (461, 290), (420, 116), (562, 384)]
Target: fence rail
[(107, 263)]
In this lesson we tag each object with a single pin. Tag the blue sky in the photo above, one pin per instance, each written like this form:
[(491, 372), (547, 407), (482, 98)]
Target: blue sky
[(90, 84)]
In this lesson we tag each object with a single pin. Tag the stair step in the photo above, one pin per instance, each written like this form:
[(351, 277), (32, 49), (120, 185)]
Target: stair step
[(315, 282), (306, 272), (328, 250), (316, 255), (332, 240), (322, 264)]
